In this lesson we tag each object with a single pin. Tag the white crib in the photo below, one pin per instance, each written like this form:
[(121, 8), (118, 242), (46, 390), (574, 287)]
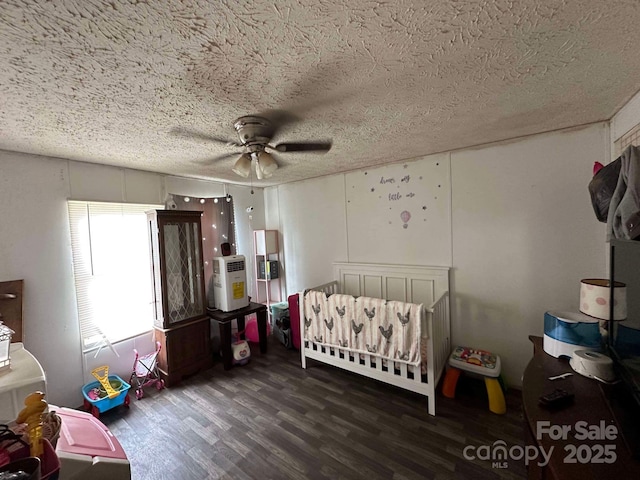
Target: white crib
[(412, 284)]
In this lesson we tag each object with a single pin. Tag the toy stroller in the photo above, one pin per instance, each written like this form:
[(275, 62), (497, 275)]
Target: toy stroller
[(145, 372)]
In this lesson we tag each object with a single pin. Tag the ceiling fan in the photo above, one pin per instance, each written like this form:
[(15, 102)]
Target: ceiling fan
[(255, 132)]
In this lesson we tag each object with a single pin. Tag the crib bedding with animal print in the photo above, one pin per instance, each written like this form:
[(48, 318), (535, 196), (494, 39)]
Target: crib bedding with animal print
[(389, 330)]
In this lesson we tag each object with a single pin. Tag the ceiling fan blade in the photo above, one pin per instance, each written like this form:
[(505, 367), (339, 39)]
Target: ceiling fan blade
[(280, 118), (190, 134), (320, 147), (323, 85), (218, 158)]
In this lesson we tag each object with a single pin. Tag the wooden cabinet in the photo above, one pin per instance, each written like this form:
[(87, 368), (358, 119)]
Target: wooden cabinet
[(186, 349), (268, 267), (180, 311), (176, 266)]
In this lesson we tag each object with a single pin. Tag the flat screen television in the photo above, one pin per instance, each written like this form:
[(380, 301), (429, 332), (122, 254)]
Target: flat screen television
[(624, 338)]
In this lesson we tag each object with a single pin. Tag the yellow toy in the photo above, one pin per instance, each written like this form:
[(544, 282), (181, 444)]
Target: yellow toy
[(102, 375), (31, 414)]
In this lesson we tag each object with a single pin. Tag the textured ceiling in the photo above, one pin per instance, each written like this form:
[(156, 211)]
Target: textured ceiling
[(107, 81)]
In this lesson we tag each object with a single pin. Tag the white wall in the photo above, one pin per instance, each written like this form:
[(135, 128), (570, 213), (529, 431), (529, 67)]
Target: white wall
[(394, 210), (35, 245), (523, 234), (625, 119), (246, 223), (277, 288), (312, 219)]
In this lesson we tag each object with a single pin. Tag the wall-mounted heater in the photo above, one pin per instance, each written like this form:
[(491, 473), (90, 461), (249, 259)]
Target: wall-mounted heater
[(230, 283)]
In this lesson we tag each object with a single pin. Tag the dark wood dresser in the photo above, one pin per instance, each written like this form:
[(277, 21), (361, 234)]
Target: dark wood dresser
[(564, 429)]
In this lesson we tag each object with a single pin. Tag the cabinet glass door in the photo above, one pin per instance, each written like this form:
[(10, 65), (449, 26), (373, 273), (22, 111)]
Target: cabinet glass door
[(183, 272)]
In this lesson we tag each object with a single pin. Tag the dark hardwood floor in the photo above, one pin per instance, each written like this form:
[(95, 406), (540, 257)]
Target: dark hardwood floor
[(271, 419)]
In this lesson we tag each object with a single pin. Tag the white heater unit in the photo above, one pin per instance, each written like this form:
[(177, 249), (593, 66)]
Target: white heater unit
[(230, 283)]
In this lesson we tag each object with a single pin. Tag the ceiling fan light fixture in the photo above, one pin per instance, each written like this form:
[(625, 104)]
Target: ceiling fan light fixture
[(254, 134), (242, 166), (267, 164), (259, 172)]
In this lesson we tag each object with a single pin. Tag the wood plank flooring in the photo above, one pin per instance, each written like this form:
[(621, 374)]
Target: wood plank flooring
[(271, 419)]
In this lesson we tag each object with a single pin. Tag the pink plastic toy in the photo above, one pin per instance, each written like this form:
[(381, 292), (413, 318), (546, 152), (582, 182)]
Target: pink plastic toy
[(251, 330)]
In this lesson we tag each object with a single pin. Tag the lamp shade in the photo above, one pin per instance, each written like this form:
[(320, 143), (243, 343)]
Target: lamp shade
[(595, 297), (267, 164), (243, 165)]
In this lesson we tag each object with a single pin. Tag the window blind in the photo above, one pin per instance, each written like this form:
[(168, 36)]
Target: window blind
[(111, 268)]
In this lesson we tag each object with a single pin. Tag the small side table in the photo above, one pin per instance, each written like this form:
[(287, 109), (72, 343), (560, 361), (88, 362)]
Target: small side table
[(224, 319)]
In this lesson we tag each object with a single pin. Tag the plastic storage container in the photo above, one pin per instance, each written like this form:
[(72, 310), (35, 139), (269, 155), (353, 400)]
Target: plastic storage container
[(279, 310), (88, 450), (97, 406), (282, 331), (281, 323)]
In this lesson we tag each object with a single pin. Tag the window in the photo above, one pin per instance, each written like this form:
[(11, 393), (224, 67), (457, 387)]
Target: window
[(111, 265)]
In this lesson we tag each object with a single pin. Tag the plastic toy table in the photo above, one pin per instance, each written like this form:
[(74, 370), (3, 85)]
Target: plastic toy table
[(482, 363)]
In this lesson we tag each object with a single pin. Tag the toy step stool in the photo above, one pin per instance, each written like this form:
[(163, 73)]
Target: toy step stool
[(481, 362)]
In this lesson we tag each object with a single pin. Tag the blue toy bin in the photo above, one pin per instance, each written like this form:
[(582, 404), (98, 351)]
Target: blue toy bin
[(106, 403)]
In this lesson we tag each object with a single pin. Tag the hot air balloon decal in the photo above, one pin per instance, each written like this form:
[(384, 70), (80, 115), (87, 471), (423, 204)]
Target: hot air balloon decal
[(405, 216)]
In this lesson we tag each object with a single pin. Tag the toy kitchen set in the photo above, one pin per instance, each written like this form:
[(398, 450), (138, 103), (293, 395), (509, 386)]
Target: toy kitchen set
[(44, 441)]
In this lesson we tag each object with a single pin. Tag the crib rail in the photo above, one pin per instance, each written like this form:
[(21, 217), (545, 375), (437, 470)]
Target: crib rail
[(328, 288), (402, 375), (439, 328), (395, 373)]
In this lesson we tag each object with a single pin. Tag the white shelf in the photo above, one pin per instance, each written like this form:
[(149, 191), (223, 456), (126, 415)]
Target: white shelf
[(266, 242), (266, 248)]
